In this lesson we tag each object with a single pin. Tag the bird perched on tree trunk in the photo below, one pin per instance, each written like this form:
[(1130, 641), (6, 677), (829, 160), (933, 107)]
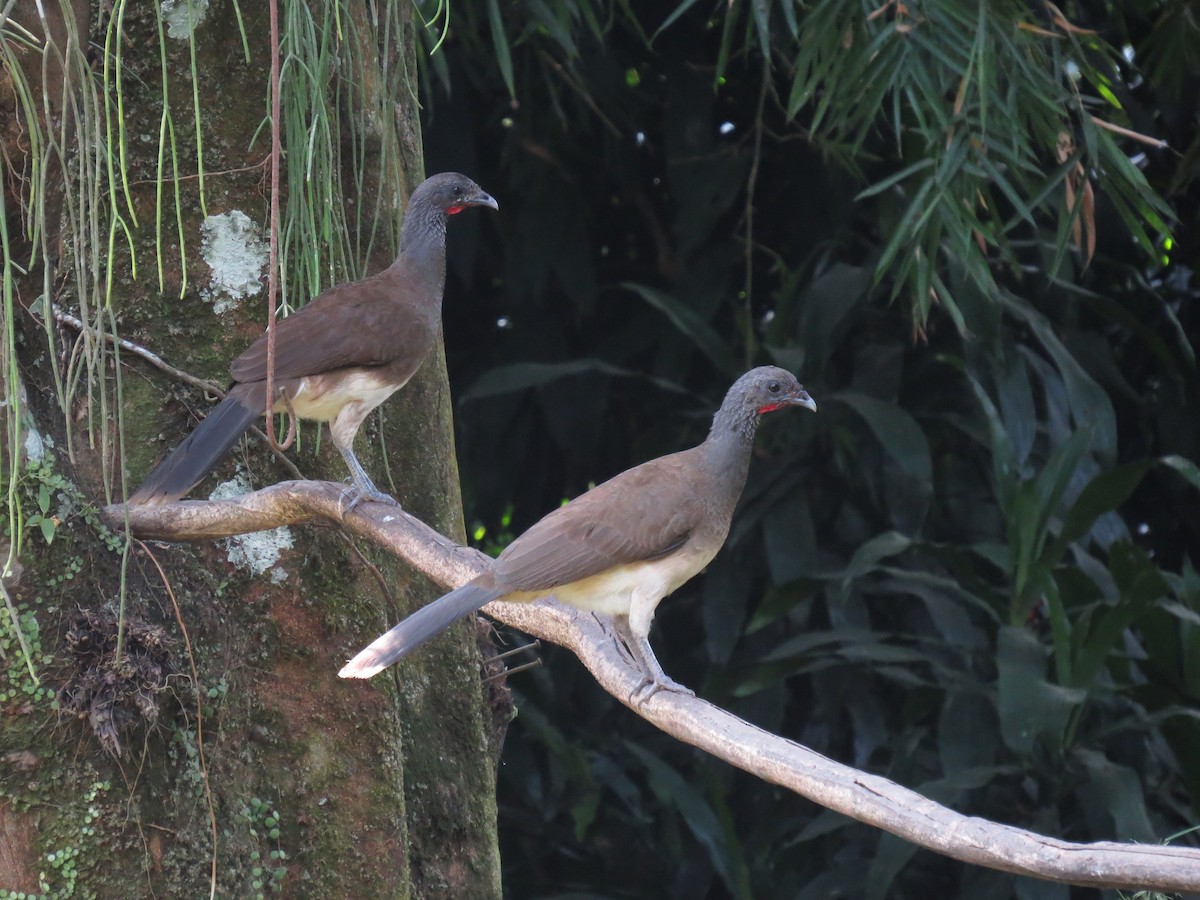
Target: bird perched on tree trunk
[(339, 356), (624, 545)]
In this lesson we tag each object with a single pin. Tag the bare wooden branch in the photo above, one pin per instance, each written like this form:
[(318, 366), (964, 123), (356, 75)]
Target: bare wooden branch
[(866, 798)]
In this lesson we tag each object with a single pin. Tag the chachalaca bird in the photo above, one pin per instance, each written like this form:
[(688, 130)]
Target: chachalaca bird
[(618, 549), (340, 355)]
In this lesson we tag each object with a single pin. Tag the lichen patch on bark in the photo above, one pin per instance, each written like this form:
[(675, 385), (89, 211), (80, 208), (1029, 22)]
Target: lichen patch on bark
[(234, 249)]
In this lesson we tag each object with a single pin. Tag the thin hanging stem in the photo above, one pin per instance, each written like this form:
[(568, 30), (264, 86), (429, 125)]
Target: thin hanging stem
[(273, 265), (751, 182)]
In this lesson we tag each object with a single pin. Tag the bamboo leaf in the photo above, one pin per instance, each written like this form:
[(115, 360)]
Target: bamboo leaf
[(880, 186), (501, 47)]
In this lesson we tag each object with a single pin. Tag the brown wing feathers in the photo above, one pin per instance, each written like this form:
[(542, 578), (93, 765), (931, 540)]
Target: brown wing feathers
[(628, 518), (306, 344)]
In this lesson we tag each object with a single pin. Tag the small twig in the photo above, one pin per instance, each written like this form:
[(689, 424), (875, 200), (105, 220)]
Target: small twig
[(504, 673), (579, 89), (65, 318), (209, 174), (532, 645), (1133, 135), (751, 183), (372, 568), (157, 361)]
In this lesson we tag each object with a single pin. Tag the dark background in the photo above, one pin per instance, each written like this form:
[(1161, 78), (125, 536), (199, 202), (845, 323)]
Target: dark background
[(971, 571)]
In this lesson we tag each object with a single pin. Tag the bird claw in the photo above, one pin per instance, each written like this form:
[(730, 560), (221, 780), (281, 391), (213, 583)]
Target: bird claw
[(651, 686), (356, 494)]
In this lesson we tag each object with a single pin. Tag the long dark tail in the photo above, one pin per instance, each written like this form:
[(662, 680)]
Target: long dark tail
[(204, 447), (425, 623)]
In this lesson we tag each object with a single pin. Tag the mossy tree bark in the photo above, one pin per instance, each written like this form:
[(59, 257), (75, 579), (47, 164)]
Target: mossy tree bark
[(289, 778)]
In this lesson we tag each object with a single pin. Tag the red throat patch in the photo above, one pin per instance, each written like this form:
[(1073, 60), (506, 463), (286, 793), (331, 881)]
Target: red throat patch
[(454, 210), (770, 407)]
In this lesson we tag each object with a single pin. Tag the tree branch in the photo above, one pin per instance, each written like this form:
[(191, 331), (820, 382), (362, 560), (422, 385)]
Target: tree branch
[(866, 798)]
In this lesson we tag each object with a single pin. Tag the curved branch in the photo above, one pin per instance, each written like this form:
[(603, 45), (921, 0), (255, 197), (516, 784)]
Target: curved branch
[(866, 798)]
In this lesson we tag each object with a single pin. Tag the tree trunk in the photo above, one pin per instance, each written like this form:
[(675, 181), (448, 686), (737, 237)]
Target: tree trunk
[(221, 753)]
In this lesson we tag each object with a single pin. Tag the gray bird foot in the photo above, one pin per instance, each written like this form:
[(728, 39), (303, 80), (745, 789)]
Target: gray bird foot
[(651, 686), (356, 494)]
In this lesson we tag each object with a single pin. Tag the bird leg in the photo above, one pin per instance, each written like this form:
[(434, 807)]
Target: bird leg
[(364, 488), (654, 679), (608, 626)]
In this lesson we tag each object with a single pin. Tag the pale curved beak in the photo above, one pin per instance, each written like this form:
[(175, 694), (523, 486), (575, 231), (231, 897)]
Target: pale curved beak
[(802, 399)]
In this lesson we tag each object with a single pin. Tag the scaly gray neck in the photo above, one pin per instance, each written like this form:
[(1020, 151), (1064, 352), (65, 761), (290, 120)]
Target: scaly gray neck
[(422, 256), (727, 449)]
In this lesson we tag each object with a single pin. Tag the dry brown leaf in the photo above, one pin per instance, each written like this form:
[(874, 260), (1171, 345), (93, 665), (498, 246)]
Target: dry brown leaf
[(1061, 21), (1087, 214), (879, 12), (1126, 132), (1083, 228), (1034, 29)]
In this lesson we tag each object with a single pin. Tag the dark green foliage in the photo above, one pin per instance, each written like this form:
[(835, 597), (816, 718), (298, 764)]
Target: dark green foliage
[(972, 571)]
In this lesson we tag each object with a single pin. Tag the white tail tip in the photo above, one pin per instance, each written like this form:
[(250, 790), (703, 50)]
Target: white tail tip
[(360, 668)]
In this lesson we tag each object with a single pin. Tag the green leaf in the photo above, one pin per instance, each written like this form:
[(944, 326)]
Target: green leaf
[(807, 642), (1014, 396), (762, 25), (867, 557), (688, 321), (1105, 492), (880, 186), (891, 855), (902, 439), (966, 734), (789, 537), (1184, 467), (672, 18), (675, 792), (1002, 453), (1029, 707), (827, 309), (725, 597), (1036, 503), (903, 232), (915, 580), (1090, 403), (523, 376), (1107, 629), (561, 34), (501, 47), (1117, 791)]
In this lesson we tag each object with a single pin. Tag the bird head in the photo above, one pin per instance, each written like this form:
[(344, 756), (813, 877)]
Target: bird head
[(769, 388), (451, 193)]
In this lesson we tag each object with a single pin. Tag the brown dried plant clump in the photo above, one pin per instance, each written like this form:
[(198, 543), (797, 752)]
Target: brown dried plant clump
[(115, 696)]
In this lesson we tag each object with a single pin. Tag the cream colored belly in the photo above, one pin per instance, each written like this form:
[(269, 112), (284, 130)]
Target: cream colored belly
[(322, 397), (618, 591)]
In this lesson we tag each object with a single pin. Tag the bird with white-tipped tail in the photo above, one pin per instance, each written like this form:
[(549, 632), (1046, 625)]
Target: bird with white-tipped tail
[(623, 546)]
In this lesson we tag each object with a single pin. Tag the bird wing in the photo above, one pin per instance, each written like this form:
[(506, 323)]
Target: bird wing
[(642, 514), (340, 328)]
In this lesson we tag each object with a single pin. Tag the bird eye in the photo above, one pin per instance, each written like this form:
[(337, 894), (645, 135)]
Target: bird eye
[(773, 387), (457, 190)]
